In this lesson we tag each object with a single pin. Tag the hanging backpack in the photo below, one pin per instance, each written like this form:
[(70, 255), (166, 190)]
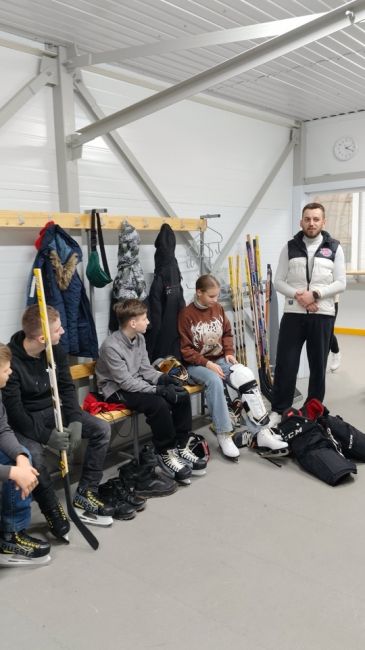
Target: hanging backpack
[(98, 276)]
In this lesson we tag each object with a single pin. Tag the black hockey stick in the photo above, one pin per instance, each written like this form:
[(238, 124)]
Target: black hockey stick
[(63, 463)]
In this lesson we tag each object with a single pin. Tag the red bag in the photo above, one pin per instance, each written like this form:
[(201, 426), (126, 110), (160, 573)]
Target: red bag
[(92, 405)]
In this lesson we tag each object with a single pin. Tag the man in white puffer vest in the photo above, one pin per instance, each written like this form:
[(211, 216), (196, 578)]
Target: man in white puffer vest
[(311, 271)]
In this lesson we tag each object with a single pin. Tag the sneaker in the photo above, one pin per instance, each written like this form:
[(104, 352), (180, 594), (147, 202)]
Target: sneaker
[(144, 481), (113, 494), (227, 445), (335, 361), (266, 440), (138, 502), (274, 419), (20, 548), (197, 465), (171, 463), (57, 520), (94, 509)]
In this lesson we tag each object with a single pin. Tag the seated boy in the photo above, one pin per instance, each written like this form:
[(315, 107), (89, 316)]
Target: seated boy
[(19, 479), (28, 402), (124, 374)]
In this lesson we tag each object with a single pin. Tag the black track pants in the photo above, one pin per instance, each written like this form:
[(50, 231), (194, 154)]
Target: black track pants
[(295, 330)]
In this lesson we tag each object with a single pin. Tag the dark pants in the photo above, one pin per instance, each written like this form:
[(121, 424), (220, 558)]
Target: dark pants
[(96, 431), (295, 330), (170, 423)]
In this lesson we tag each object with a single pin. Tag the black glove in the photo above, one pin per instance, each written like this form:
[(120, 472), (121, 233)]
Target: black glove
[(167, 380), (172, 394), (75, 429), (59, 440)]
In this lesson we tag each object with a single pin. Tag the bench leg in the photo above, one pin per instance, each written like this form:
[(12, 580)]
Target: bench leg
[(135, 437)]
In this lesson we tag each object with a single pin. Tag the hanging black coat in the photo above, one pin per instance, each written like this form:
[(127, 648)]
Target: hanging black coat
[(165, 299)]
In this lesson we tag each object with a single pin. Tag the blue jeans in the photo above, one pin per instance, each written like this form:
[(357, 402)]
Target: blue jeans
[(15, 511), (214, 392)]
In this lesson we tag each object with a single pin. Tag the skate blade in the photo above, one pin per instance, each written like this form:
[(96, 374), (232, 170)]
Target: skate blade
[(271, 453), (198, 472), (19, 560), (95, 520)]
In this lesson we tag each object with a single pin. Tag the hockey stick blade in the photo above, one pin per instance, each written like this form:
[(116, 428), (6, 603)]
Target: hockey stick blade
[(85, 532)]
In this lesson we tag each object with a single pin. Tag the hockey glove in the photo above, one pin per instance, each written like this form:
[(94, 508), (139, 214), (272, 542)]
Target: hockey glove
[(167, 380), (75, 429), (172, 394), (59, 440)]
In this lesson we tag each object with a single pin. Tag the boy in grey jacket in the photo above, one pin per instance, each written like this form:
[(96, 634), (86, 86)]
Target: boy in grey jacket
[(124, 374), (19, 478)]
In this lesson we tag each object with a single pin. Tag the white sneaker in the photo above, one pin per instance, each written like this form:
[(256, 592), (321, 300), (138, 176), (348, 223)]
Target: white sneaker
[(267, 440), (335, 361), (274, 419), (227, 445)]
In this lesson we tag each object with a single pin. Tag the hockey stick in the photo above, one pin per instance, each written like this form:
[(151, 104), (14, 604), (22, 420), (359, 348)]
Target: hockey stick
[(90, 538)]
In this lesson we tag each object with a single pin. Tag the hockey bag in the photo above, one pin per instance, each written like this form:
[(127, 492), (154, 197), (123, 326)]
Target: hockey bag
[(314, 449)]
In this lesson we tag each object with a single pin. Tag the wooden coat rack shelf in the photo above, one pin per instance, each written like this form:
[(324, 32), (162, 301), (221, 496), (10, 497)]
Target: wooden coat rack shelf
[(76, 221)]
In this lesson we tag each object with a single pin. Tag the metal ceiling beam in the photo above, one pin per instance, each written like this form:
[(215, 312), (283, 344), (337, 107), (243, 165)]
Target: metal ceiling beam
[(248, 32), (47, 75), (64, 123), (255, 202), (117, 145), (332, 21)]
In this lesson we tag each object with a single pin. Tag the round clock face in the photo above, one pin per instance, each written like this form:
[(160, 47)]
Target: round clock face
[(344, 148)]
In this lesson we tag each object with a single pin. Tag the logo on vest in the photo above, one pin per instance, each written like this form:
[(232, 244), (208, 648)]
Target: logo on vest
[(326, 252)]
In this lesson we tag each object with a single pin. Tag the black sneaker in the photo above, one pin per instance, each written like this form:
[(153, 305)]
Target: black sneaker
[(128, 495), (57, 520), (114, 495), (198, 465), (144, 480), (20, 548), (171, 463)]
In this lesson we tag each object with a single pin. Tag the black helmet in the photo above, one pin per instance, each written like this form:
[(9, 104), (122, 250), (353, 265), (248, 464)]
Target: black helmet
[(172, 367)]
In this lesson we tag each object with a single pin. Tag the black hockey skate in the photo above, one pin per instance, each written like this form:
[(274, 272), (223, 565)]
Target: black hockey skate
[(20, 549), (197, 465), (174, 466), (91, 509), (57, 521)]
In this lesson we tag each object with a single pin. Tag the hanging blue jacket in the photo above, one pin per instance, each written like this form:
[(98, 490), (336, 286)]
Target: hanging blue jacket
[(57, 257)]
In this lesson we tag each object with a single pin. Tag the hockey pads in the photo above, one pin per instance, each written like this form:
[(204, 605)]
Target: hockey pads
[(243, 380)]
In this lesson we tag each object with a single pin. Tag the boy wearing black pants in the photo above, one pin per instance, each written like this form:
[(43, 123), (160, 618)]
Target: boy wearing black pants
[(124, 374)]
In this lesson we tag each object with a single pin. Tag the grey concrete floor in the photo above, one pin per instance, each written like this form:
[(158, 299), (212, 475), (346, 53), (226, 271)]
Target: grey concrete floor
[(251, 556)]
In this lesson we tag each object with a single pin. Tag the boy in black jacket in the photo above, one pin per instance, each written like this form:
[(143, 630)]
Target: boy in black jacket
[(28, 402), (19, 478)]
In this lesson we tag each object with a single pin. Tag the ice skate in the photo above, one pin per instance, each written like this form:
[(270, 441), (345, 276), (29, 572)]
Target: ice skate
[(91, 509), (20, 549), (57, 521), (269, 445), (174, 466), (197, 465), (227, 446), (335, 361)]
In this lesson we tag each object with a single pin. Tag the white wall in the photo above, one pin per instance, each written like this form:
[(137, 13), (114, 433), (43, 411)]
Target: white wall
[(321, 164), (203, 160)]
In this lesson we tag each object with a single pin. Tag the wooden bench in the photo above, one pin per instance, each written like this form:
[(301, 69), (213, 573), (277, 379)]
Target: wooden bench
[(86, 371)]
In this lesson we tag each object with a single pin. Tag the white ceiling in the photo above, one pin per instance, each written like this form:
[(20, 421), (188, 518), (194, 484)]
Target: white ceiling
[(324, 78)]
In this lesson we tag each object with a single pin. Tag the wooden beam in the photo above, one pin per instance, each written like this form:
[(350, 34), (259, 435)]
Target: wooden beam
[(76, 221)]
